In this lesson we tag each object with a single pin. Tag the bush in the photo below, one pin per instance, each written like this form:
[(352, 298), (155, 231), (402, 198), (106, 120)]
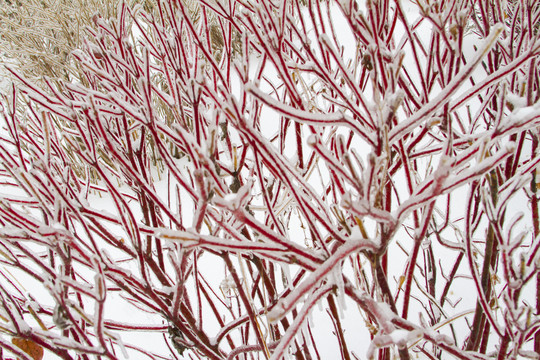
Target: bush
[(221, 171)]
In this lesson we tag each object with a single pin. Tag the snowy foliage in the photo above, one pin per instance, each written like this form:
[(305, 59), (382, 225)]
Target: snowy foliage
[(278, 179)]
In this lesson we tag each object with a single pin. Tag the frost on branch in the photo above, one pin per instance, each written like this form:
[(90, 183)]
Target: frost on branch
[(295, 179)]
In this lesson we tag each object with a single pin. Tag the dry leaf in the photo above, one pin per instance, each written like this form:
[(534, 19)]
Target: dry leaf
[(28, 346)]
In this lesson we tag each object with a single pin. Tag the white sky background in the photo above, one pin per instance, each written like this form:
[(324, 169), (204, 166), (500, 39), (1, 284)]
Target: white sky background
[(355, 325)]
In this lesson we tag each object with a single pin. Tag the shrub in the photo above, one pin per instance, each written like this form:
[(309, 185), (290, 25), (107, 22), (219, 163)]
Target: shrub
[(222, 172)]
